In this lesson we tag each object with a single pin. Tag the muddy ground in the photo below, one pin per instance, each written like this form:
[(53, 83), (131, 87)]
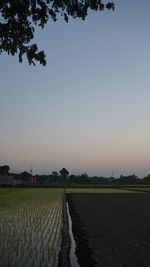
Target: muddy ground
[(111, 229)]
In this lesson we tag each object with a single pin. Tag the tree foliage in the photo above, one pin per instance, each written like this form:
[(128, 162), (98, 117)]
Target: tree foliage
[(54, 173), (64, 172), (4, 170), (18, 19)]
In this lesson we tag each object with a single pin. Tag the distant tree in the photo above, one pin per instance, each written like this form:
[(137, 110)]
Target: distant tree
[(84, 177), (73, 178), (18, 19), (4, 170), (64, 173), (133, 176), (42, 179), (128, 179), (55, 176), (55, 173), (147, 178)]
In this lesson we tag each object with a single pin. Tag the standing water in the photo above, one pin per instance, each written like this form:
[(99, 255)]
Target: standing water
[(73, 258)]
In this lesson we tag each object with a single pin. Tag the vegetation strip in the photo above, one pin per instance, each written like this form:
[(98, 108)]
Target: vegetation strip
[(100, 190), (136, 189)]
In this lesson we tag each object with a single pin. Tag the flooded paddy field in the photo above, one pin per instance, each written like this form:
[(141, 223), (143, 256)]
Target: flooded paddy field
[(111, 229), (30, 227)]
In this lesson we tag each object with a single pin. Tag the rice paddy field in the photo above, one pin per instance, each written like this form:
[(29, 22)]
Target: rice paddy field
[(30, 227), (32, 221), (111, 229)]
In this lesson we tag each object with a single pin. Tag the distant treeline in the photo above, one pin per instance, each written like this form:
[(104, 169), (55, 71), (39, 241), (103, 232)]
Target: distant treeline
[(85, 179), (63, 178)]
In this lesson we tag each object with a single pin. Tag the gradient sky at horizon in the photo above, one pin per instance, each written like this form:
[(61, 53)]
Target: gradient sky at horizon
[(88, 109)]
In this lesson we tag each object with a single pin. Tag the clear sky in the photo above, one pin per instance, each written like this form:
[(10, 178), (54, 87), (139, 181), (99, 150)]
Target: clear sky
[(88, 110)]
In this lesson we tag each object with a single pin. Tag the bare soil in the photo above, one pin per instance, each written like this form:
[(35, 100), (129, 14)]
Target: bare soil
[(111, 229)]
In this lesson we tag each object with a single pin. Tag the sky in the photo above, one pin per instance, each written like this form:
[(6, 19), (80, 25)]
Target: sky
[(88, 109)]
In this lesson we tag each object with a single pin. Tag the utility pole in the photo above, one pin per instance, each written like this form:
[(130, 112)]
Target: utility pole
[(31, 170)]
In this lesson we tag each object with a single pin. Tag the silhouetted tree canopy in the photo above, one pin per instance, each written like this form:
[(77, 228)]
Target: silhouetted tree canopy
[(4, 170), (64, 172), (19, 17), (55, 173)]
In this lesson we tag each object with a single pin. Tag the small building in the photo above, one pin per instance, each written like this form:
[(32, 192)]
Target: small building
[(26, 178), (17, 179)]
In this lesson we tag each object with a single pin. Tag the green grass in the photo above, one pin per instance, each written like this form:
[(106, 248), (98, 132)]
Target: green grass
[(98, 190)]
